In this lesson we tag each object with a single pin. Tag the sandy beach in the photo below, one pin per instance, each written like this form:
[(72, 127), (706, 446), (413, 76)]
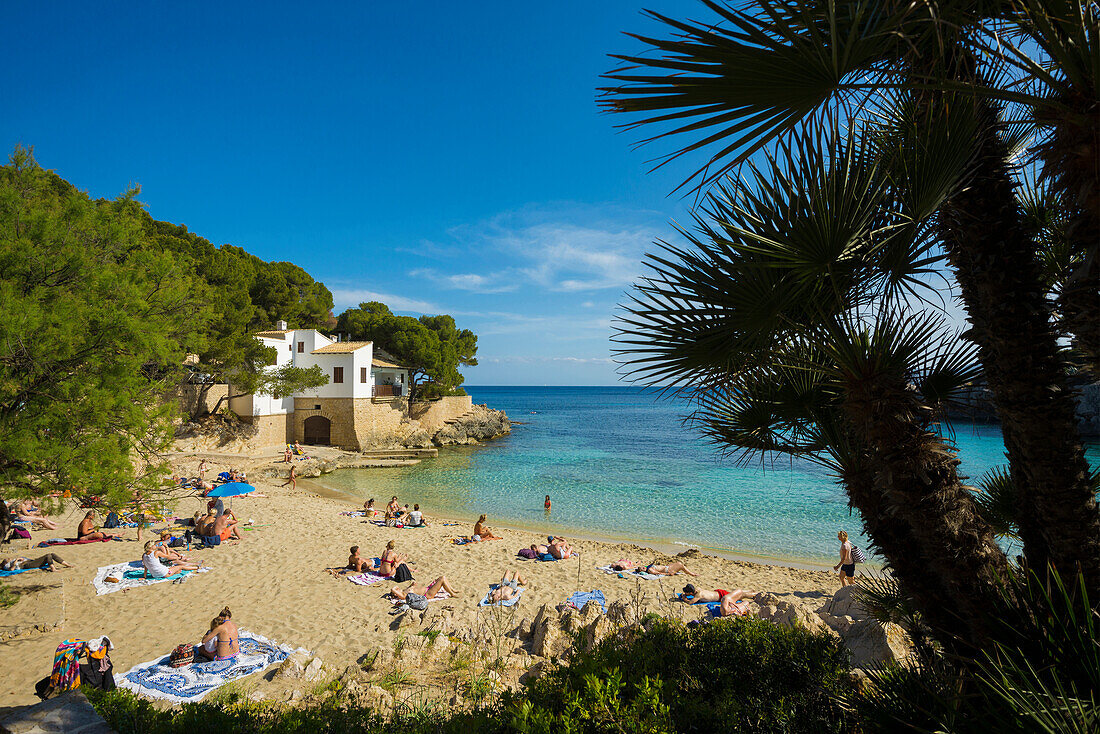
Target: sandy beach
[(275, 582)]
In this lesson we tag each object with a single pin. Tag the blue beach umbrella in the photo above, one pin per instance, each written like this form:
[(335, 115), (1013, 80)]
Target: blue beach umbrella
[(231, 489)]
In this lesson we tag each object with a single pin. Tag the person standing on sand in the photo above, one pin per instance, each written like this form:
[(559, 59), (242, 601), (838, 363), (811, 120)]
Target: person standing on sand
[(290, 479), (847, 565), (202, 470), (286, 455)]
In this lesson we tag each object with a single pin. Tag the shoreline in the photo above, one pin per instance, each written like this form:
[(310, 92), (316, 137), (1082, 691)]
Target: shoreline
[(668, 546)]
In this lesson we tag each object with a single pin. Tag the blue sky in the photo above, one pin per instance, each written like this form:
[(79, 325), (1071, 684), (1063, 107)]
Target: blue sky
[(441, 157)]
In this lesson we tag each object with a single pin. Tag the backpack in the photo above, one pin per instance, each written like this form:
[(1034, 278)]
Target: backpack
[(181, 655), (858, 556)]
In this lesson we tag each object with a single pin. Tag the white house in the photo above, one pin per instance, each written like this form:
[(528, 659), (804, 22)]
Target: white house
[(338, 412)]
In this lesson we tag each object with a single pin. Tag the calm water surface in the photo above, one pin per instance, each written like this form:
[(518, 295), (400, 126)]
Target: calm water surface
[(618, 462)]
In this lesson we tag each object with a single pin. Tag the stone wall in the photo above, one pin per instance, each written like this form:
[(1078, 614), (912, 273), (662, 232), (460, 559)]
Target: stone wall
[(192, 401), (271, 430), (431, 416), (341, 415)]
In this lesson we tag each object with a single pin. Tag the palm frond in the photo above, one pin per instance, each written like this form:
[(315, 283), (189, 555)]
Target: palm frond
[(995, 497)]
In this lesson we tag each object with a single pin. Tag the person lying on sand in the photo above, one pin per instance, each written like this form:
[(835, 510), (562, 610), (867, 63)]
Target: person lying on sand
[(508, 588), (559, 548), (223, 641), (733, 603), (21, 562), (86, 530), (417, 597), (670, 570), (623, 564), (28, 512), (390, 560), (155, 569), (482, 531)]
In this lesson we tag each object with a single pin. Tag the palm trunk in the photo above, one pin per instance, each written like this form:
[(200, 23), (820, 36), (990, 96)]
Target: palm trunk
[(914, 474), (995, 265)]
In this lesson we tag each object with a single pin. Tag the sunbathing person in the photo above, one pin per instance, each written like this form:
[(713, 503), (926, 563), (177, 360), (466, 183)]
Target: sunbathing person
[(417, 597), (28, 512), (733, 603), (154, 568), (368, 508), (670, 570), (223, 641), (205, 525), (559, 548), (21, 562), (225, 526), (623, 564), (87, 531), (357, 563), (165, 551), (390, 560), (482, 531), (508, 587)]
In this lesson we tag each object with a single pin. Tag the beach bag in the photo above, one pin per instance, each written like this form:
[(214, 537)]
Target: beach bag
[(111, 521), (526, 553), (21, 533), (182, 655), (858, 556), (209, 541), (402, 574), (177, 542)]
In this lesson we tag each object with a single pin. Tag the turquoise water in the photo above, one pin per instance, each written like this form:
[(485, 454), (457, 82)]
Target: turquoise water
[(618, 462)]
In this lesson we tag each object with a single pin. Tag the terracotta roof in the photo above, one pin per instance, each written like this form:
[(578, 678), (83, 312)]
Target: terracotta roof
[(341, 348), (274, 333), (375, 362)]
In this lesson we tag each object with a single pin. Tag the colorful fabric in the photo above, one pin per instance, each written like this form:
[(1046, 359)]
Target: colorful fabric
[(637, 573), (157, 679), (66, 665), (506, 603), (70, 541), (580, 598), (367, 578), (129, 577)]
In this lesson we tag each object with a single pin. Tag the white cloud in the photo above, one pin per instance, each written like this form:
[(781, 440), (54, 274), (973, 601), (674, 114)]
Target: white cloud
[(350, 297)]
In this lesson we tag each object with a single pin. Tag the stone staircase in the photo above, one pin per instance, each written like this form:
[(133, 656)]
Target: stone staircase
[(399, 454), (459, 419)]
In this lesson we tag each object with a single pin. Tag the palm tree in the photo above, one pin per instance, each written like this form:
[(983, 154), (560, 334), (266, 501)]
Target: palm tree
[(785, 319), (753, 79)]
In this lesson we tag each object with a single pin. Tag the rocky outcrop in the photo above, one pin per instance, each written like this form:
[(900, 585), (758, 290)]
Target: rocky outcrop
[(869, 641), (480, 423)]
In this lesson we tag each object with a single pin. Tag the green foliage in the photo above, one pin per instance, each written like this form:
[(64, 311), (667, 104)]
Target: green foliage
[(94, 326), (603, 704), (431, 346), (740, 675), (8, 598)]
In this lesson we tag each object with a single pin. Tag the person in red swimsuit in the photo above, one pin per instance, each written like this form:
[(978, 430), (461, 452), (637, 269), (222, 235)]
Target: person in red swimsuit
[(733, 603)]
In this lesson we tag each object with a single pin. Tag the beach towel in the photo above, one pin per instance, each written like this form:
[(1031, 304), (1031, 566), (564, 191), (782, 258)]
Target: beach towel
[(14, 571), (550, 557), (580, 598), (156, 679), (129, 575), (714, 608), (355, 513), (439, 596), (636, 573), (462, 540), (506, 603), (70, 541), (66, 665), (367, 578)]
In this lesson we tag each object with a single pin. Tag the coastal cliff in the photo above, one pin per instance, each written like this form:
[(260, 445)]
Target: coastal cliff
[(480, 423)]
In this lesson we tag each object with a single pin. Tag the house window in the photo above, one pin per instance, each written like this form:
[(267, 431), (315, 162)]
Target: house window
[(301, 347), (316, 407), (337, 374), (363, 375)]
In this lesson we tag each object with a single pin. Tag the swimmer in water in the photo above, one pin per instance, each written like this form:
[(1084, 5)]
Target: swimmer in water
[(547, 503)]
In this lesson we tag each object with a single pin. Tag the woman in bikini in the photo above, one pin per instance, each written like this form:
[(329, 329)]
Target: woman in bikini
[(223, 641), (482, 531), (508, 587), (734, 603), (86, 530), (165, 552), (368, 508), (670, 570), (390, 560), (28, 512), (417, 597)]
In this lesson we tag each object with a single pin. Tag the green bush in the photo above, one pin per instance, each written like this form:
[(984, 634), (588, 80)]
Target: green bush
[(740, 675)]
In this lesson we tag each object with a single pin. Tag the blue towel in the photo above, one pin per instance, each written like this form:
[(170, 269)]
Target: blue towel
[(12, 573), (714, 608), (506, 603), (546, 557), (580, 598), (139, 574)]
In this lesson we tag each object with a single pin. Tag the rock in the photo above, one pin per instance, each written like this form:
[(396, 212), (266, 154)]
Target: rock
[(549, 640), (69, 712), (873, 643), (690, 553), (795, 616), (295, 696), (407, 619), (480, 423), (256, 696), (535, 671), (378, 698), (523, 631), (618, 613), (600, 628), (845, 603), (293, 667), (314, 671), (418, 439)]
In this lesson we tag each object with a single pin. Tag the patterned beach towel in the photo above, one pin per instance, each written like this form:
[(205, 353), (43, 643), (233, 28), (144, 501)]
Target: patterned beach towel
[(506, 603), (637, 573), (157, 679), (66, 664), (367, 578), (129, 575), (70, 541)]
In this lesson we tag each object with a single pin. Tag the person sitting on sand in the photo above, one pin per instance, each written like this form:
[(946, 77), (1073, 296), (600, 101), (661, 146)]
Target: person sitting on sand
[(286, 455), (205, 525), (28, 512), (415, 519), (393, 511), (223, 641), (225, 526), (165, 551), (368, 508), (417, 597), (298, 449), (154, 568), (390, 560), (671, 569), (87, 531), (357, 563), (21, 562), (733, 603), (508, 587), (482, 531), (559, 548)]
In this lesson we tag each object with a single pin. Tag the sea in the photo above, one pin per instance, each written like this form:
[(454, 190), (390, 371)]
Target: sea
[(620, 463)]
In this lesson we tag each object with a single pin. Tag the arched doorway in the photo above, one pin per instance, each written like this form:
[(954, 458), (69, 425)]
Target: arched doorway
[(316, 430)]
